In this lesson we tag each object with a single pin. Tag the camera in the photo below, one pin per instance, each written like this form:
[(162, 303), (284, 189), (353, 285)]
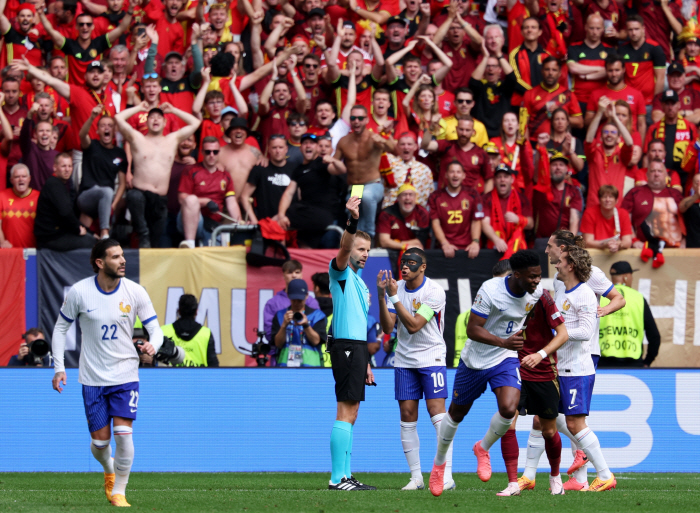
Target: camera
[(259, 350), (169, 352), (38, 349), (298, 316)]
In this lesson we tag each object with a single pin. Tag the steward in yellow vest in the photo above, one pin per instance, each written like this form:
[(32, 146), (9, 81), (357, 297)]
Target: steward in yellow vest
[(195, 339), (622, 333)]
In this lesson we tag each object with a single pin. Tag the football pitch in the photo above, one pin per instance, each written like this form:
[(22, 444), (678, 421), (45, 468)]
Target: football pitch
[(300, 492)]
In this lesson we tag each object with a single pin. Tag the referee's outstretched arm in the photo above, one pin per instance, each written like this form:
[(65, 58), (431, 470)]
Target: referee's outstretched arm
[(348, 239)]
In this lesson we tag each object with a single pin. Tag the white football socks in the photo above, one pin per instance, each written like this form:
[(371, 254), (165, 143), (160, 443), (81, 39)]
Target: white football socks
[(497, 428), (448, 429), (535, 448), (591, 446), (102, 452), (123, 458), (581, 475), (437, 421), (411, 448)]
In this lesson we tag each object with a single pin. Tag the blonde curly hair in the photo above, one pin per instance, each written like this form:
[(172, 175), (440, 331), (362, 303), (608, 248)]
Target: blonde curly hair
[(580, 260)]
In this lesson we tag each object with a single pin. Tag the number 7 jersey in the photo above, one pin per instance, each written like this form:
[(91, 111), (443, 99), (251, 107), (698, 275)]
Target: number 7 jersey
[(107, 353), (426, 348)]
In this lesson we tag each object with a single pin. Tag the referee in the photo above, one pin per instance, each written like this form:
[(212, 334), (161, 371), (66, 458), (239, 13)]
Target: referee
[(349, 355)]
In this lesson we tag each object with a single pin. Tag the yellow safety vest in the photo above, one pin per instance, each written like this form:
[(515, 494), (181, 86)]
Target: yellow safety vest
[(195, 349), (622, 333), (460, 335), (324, 355)]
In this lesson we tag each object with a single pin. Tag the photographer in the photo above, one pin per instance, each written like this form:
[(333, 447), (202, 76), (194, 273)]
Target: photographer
[(140, 336), (299, 330), (195, 339), (27, 354)]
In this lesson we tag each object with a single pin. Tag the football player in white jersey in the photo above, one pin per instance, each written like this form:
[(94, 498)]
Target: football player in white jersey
[(418, 303), (490, 355), (602, 286), (107, 306), (579, 306)]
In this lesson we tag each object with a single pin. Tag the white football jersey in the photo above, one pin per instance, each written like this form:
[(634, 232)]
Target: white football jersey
[(505, 314), (580, 310), (107, 354), (601, 285), (426, 348)]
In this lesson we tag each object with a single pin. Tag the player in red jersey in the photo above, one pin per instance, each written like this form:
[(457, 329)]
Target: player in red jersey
[(539, 396)]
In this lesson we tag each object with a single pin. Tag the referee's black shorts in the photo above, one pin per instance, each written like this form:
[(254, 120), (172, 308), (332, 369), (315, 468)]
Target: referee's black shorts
[(539, 398), (349, 359)]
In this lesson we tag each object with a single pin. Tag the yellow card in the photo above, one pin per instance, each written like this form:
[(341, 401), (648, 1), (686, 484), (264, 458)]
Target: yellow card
[(357, 190)]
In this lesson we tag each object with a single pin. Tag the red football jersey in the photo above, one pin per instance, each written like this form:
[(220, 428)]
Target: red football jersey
[(456, 214), (542, 319), (216, 186)]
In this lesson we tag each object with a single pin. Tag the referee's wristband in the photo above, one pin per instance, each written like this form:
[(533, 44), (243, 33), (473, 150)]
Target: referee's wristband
[(394, 299), (542, 353)]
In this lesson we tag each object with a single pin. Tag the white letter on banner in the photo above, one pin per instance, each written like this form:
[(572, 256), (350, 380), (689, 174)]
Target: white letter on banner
[(71, 336), (208, 310), (687, 400), (171, 303), (264, 295), (464, 289), (238, 319), (632, 421), (675, 312)]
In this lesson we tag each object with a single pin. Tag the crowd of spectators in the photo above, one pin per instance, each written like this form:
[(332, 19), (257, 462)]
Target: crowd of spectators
[(471, 124)]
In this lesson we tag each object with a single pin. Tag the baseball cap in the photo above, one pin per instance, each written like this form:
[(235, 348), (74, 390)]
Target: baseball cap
[(95, 65), (675, 67), (622, 267), (316, 11), (297, 289), (396, 19), (229, 109), (559, 156), (669, 96), (237, 123), (503, 168), (155, 110), (349, 23), (170, 55), (309, 137)]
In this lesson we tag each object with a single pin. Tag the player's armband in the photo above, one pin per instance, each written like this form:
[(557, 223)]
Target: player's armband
[(426, 312)]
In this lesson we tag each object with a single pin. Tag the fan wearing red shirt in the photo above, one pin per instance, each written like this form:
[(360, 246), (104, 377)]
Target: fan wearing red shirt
[(85, 48), (405, 223), (689, 97), (544, 98), (170, 31), (660, 19), (80, 99), (63, 20), (20, 42), (507, 214), (445, 99), (612, 12), (644, 60), (203, 192), (563, 211), (474, 160), (18, 210), (607, 160), (616, 89), (455, 214), (150, 91), (275, 105), (462, 44), (586, 61), (15, 114), (110, 18), (606, 226)]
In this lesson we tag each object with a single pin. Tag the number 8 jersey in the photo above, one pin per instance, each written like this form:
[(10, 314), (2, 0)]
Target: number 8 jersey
[(505, 313), (107, 353)]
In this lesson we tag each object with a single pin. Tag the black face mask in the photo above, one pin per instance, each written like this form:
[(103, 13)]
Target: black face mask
[(411, 257)]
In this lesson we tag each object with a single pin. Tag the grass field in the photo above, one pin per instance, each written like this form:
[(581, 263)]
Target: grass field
[(269, 492)]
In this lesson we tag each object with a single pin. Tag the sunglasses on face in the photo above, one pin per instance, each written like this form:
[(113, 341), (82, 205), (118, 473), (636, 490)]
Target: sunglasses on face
[(84, 24), (211, 152), (277, 136), (297, 123), (150, 75), (311, 66), (357, 118), (468, 102), (610, 132)]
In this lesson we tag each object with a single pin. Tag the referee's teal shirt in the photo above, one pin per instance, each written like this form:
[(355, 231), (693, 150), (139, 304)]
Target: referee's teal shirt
[(350, 303)]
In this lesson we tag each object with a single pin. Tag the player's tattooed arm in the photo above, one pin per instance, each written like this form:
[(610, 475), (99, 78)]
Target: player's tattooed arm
[(477, 332)]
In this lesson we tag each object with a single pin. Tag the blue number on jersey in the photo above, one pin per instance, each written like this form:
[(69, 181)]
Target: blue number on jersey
[(106, 329), (509, 329)]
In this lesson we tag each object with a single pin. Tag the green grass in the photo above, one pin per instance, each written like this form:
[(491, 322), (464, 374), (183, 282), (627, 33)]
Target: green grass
[(270, 492)]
